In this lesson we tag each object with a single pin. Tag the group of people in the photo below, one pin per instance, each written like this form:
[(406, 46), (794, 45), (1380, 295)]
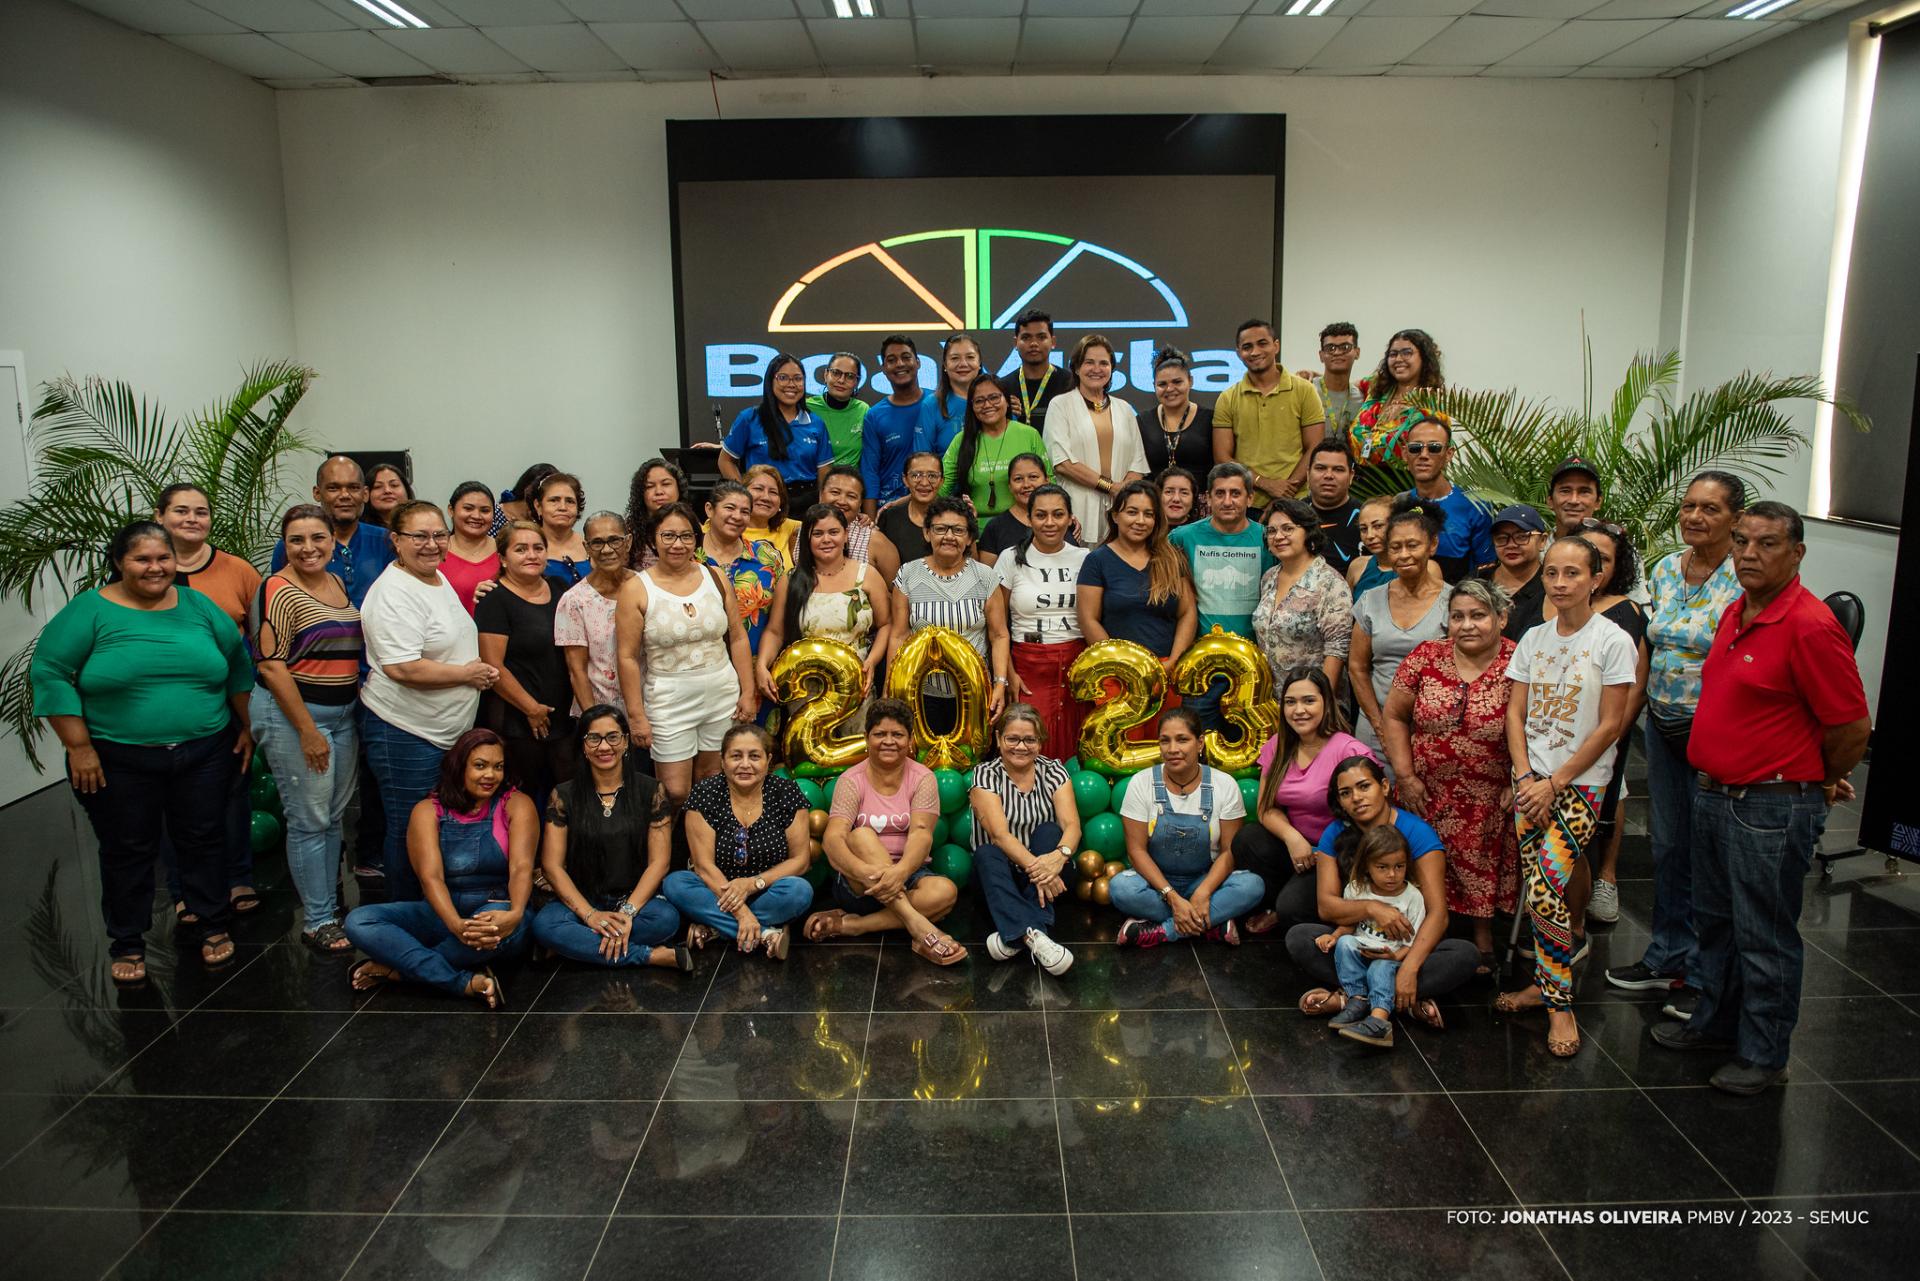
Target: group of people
[(554, 719)]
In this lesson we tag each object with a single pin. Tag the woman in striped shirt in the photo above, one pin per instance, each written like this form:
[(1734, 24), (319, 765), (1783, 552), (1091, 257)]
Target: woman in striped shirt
[(1025, 828), (307, 646), (948, 589)]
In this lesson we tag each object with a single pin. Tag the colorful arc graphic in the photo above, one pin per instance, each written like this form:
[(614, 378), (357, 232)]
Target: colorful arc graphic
[(977, 246)]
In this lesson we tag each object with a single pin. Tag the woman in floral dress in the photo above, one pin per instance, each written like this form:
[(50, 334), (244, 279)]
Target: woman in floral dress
[(827, 597)]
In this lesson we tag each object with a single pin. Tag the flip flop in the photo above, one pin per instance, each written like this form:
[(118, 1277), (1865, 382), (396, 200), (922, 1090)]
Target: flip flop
[(939, 948), (136, 961), (359, 971), (213, 945), (699, 936), (243, 903), (1320, 1002), (1428, 1012), (495, 996), (823, 925)]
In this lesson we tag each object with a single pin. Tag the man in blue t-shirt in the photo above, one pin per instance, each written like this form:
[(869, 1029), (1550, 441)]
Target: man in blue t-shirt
[(1228, 556), (898, 426), (1466, 539), (360, 551)]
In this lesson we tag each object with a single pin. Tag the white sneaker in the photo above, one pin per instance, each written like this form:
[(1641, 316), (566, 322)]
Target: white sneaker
[(1046, 953), (1604, 906), (999, 949)]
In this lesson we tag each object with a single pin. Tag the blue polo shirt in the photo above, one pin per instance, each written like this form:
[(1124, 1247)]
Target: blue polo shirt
[(1466, 540), (357, 561), (938, 430), (889, 435), (809, 448)]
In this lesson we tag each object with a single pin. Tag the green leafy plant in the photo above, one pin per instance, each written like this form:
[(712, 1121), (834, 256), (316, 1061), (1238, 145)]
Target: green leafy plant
[(102, 454)]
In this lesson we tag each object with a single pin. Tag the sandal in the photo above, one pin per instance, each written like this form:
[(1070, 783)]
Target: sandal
[(939, 948), (131, 968), (492, 995), (181, 916), (823, 925), (699, 936), (1513, 1002), (328, 940), (683, 960), (244, 900), (1321, 1002), (363, 979), (217, 950), (1563, 1049), (1428, 1012), (1488, 964), (1262, 923)]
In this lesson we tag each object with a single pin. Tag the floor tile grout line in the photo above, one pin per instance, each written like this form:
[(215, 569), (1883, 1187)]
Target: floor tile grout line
[(646, 1131), (1815, 945), (1059, 1136), (1286, 1184), (853, 1125)]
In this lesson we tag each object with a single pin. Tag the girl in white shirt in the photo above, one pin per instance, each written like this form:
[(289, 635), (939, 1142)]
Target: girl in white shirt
[(1040, 575)]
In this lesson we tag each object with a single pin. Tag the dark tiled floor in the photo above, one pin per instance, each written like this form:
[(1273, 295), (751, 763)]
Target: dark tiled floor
[(855, 1113)]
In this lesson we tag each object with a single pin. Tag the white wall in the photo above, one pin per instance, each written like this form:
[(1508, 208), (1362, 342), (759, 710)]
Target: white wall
[(142, 230), (483, 274)]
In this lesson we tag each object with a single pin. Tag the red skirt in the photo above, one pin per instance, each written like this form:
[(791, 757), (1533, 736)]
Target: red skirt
[(1042, 670)]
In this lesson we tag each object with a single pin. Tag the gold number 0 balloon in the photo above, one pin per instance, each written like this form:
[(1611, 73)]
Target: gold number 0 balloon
[(941, 649), (825, 676), (1142, 686), (1248, 703)]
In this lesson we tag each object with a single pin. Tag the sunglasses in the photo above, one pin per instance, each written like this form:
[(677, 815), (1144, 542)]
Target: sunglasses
[(1603, 526), (1415, 448)]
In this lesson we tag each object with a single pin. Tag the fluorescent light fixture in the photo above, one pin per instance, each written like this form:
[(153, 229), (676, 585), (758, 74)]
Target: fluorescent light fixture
[(1758, 8), (847, 8), (391, 13), (1298, 7), (1311, 8)]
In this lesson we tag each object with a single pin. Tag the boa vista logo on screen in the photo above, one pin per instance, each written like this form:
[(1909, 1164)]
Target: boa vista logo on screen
[(973, 298)]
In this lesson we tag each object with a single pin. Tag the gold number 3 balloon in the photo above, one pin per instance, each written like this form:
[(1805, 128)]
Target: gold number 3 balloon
[(824, 677), (1142, 684), (941, 649), (1248, 703)]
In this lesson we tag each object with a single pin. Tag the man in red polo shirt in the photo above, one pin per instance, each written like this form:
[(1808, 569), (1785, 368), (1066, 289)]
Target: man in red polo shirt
[(1782, 721)]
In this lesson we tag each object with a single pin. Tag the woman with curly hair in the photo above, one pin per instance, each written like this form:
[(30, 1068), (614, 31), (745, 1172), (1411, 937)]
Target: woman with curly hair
[(1412, 364), (656, 486)]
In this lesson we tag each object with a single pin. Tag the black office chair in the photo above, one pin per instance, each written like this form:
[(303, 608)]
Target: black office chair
[(1852, 615)]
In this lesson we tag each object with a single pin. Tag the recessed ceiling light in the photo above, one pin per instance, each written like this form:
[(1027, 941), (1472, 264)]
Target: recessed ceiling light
[(391, 13), (853, 8), (1309, 8), (1759, 8)]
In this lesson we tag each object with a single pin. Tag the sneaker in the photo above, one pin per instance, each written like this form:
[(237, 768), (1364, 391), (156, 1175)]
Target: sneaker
[(1371, 1031), (1580, 953), (1737, 1076), (1638, 977), (1135, 932), (774, 943), (1046, 953), (1228, 934), (1681, 1004), (1604, 906), (1356, 1010), (1670, 1037), (999, 949)]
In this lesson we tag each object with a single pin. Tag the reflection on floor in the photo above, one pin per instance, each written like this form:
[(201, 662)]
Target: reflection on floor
[(856, 1113)]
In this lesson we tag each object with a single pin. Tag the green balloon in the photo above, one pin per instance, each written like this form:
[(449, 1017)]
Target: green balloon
[(807, 769), (953, 790), (954, 863), (782, 771), (1250, 793), (264, 832), (264, 792), (1251, 771), (1103, 832), (1091, 793), (818, 871), (816, 799), (1073, 765), (940, 826)]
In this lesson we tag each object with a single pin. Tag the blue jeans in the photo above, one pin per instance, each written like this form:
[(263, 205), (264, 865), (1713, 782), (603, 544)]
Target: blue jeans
[(1010, 896), (1239, 894), (406, 767), (556, 926), (1207, 705), (412, 939), (1671, 786), (1749, 870), (1361, 977), (315, 804), (780, 902)]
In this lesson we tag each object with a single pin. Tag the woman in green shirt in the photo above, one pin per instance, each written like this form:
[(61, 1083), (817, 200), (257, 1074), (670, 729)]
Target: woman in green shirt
[(147, 688), (987, 444)]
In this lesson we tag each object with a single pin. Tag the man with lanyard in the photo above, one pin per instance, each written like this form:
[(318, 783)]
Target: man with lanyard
[(1340, 397), (1329, 486), (1782, 721), (839, 406), (1032, 387), (843, 490), (891, 430), (1227, 555), (360, 551), (1466, 539), (1269, 419)]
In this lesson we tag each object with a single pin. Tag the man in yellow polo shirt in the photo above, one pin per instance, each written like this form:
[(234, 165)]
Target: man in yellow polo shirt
[(1269, 420)]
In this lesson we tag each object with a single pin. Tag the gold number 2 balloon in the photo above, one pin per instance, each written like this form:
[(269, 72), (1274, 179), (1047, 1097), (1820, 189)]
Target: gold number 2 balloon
[(941, 649), (1142, 684), (824, 677), (1248, 703)]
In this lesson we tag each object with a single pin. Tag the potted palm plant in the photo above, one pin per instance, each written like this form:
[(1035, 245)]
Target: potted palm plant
[(102, 454)]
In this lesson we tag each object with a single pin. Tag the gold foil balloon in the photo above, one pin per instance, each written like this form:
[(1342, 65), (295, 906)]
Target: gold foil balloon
[(1103, 891), (941, 649), (817, 823), (815, 850), (823, 677), (1142, 687), (1083, 890), (1248, 704), (1111, 870), (1090, 865)]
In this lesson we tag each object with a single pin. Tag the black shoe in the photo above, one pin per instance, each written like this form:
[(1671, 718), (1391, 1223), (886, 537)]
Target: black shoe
[(1742, 1077), (1681, 1006), (1638, 978), (1671, 1037)]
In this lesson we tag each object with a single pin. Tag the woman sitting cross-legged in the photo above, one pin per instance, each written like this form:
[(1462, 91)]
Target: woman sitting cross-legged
[(879, 836), (471, 843), (1025, 829), (609, 838), (747, 839), (1434, 965), (1181, 817)]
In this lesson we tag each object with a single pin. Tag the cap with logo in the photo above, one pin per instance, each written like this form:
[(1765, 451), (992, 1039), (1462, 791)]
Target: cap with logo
[(1574, 463)]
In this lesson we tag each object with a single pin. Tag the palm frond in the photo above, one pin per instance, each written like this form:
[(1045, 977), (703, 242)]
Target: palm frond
[(240, 447), (1648, 377), (109, 418), (16, 703)]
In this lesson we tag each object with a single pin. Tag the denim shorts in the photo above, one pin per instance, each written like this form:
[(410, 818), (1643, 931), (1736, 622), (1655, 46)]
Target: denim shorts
[(847, 900)]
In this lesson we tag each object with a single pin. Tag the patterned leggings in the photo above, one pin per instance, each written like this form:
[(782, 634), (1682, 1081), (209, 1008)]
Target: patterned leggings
[(1547, 856)]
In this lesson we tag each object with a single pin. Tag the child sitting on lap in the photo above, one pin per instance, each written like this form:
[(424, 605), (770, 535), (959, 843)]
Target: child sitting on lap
[(1366, 960)]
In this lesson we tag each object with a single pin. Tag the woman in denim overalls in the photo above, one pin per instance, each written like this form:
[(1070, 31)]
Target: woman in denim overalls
[(1182, 883)]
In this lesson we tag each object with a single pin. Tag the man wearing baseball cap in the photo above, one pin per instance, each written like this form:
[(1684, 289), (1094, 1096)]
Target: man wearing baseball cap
[(1519, 536), (1573, 494)]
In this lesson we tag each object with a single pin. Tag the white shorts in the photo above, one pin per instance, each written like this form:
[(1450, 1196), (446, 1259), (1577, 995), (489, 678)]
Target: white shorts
[(691, 711)]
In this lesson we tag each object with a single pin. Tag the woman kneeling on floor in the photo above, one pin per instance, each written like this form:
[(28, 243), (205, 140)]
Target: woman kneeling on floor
[(747, 840), (608, 841), (471, 843)]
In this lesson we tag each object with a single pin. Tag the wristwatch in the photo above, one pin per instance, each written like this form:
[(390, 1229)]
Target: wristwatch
[(759, 884), (1166, 891), (627, 908)]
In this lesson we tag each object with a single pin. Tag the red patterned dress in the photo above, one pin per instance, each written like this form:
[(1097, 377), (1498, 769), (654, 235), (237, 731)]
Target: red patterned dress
[(1460, 753)]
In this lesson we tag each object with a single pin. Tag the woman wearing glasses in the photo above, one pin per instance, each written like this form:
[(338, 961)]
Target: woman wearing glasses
[(1093, 439), (747, 837), (583, 624), (1446, 738), (1180, 433), (782, 433), (1391, 620), (979, 463), (1026, 828), (947, 588), (1411, 365), (607, 842), (1305, 614), (752, 569), (424, 677), (840, 408), (904, 521)]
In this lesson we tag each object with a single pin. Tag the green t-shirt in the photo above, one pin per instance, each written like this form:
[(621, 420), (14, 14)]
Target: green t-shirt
[(141, 676), (843, 428), (1227, 569), (987, 481)]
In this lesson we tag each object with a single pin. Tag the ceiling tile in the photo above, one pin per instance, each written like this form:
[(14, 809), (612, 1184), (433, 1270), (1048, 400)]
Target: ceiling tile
[(1487, 39), (1649, 8), (872, 42), (1198, 8), (253, 55), (1509, 71), (589, 77), (1074, 42), (659, 46), (1081, 8), (564, 47), (428, 11), (949, 43), (1408, 8), (508, 13), (317, 82), (1346, 71), (746, 10), (1408, 69), (1598, 72), (1173, 41), (966, 8), (353, 53), (163, 17), (1537, 8), (623, 10), (771, 45), (1679, 43), (279, 15), (1376, 42), (1767, 31), (456, 50), (1268, 42), (1578, 43)]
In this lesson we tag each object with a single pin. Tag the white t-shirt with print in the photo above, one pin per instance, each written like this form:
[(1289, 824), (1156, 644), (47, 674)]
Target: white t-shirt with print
[(1139, 802), (1040, 594), (1565, 676)]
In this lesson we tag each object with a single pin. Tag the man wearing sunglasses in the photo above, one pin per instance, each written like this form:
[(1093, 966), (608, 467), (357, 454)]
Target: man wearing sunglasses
[(1466, 540)]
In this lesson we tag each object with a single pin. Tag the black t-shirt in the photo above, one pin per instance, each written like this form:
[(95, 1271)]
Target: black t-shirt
[(1020, 391), (1341, 528), (766, 837), (1529, 605), (1194, 451), (606, 852), (535, 661), (1005, 532), (908, 538)]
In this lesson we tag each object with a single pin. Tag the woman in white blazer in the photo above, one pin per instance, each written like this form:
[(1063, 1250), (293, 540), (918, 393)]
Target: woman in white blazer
[(1094, 439)]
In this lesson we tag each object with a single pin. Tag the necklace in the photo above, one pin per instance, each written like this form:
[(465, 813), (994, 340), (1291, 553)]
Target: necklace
[(1027, 402), (994, 466), (1098, 407), (608, 800)]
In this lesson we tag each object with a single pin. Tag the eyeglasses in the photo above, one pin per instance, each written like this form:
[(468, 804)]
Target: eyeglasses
[(675, 536), (612, 738), (923, 474), (1402, 353), (842, 375), (789, 380), (947, 531), (1019, 740), (420, 538), (606, 544), (1605, 528), (1415, 448), (1512, 538), (1338, 348)]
